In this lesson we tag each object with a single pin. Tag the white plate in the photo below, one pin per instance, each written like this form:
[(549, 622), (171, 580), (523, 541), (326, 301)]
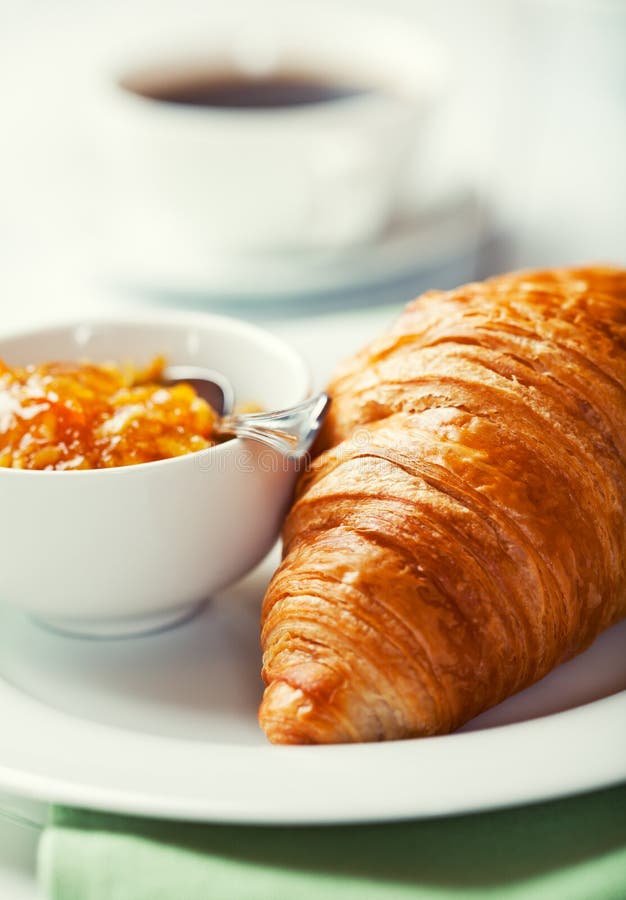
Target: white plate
[(166, 726)]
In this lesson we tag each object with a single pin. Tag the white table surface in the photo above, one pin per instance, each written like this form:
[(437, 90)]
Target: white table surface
[(18, 848)]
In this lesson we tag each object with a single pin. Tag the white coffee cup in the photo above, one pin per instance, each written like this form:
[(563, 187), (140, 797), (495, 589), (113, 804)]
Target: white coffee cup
[(181, 179)]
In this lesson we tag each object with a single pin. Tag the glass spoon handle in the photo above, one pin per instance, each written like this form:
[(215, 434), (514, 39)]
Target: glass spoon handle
[(289, 431)]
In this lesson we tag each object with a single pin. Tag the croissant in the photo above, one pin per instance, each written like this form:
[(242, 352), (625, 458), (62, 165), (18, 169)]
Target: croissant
[(462, 528)]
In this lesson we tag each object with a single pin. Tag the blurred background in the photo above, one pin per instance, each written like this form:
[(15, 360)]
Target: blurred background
[(518, 155)]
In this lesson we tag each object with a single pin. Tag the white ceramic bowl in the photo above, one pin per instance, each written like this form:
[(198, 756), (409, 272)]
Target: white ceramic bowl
[(130, 549)]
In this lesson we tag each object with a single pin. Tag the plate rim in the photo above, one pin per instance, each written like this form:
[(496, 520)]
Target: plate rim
[(588, 731)]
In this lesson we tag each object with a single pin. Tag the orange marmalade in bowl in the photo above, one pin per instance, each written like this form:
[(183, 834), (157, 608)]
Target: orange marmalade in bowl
[(68, 415)]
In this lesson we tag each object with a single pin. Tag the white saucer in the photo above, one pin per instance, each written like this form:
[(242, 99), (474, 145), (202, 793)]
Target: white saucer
[(166, 725), (444, 230)]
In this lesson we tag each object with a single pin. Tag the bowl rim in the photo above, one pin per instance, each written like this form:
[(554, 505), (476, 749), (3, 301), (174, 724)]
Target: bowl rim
[(174, 319)]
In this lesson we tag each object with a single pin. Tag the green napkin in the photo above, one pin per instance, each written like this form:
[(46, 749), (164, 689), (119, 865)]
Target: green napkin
[(573, 849)]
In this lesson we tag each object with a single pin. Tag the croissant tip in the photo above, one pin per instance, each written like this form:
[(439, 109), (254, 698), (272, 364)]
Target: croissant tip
[(281, 714)]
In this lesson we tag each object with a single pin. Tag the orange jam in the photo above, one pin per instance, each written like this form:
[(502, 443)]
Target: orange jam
[(64, 415)]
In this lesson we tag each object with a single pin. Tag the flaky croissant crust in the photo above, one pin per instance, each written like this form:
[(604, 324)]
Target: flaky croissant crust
[(463, 528)]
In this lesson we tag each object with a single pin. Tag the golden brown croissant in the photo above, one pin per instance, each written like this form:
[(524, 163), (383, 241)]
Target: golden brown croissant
[(464, 529)]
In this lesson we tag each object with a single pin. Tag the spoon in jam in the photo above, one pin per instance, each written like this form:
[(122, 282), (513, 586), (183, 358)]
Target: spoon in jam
[(289, 431)]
